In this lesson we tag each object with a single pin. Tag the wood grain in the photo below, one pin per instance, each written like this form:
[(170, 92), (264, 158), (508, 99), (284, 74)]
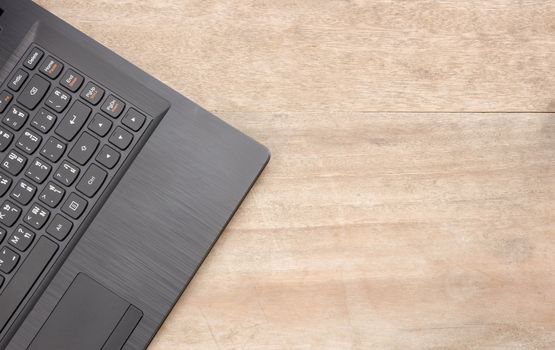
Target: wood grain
[(370, 229), (335, 55)]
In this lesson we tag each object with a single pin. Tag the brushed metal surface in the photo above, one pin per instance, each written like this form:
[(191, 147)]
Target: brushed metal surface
[(176, 198)]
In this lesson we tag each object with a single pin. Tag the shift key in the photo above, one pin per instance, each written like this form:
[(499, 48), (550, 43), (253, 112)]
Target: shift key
[(74, 120)]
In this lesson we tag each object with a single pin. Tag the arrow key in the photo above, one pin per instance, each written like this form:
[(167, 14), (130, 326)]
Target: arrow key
[(121, 138), (133, 120), (108, 157), (100, 125)]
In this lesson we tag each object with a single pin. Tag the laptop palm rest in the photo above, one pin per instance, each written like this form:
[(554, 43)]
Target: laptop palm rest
[(88, 317)]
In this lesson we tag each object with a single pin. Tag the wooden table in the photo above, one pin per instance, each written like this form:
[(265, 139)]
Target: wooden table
[(409, 203)]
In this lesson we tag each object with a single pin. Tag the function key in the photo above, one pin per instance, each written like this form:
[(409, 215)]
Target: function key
[(9, 213), (133, 120), (15, 118), (18, 79), (72, 81), (121, 138), (5, 99), (5, 183), (13, 163), (22, 238), (3, 233), (5, 139), (59, 228), (74, 206), (113, 106), (34, 92), (66, 173), (108, 156), (8, 260), (51, 67), (38, 171), (53, 149), (92, 93), (33, 58), (44, 120), (58, 100), (100, 125)]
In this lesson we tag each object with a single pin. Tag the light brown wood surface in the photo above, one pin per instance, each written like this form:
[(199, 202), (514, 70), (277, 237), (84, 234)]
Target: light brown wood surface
[(386, 218)]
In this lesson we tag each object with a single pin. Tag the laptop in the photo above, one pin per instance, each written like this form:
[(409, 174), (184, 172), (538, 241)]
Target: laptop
[(114, 189)]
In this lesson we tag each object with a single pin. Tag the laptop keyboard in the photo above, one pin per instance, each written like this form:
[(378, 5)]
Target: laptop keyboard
[(63, 137)]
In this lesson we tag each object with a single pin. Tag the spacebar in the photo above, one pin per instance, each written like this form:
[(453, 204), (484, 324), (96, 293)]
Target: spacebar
[(25, 278)]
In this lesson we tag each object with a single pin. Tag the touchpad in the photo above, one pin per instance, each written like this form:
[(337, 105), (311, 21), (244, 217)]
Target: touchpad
[(88, 317)]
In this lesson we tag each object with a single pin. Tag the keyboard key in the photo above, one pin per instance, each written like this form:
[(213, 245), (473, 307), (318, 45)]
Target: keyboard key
[(100, 125), (92, 181), (18, 79), (5, 99), (52, 101), (14, 162), (51, 67), (33, 58), (8, 259), (121, 138), (38, 171), (74, 206), (5, 183), (22, 238), (59, 228), (133, 120), (53, 149), (66, 173), (23, 192), (37, 216), (25, 278), (113, 106), (29, 142), (34, 92), (92, 93), (15, 118), (84, 148), (9, 213), (5, 139), (108, 156), (52, 195), (73, 121), (44, 120), (72, 81), (58, 100)]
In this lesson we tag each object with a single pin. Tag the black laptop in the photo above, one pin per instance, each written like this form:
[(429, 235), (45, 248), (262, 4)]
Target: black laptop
[(114, 188)]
